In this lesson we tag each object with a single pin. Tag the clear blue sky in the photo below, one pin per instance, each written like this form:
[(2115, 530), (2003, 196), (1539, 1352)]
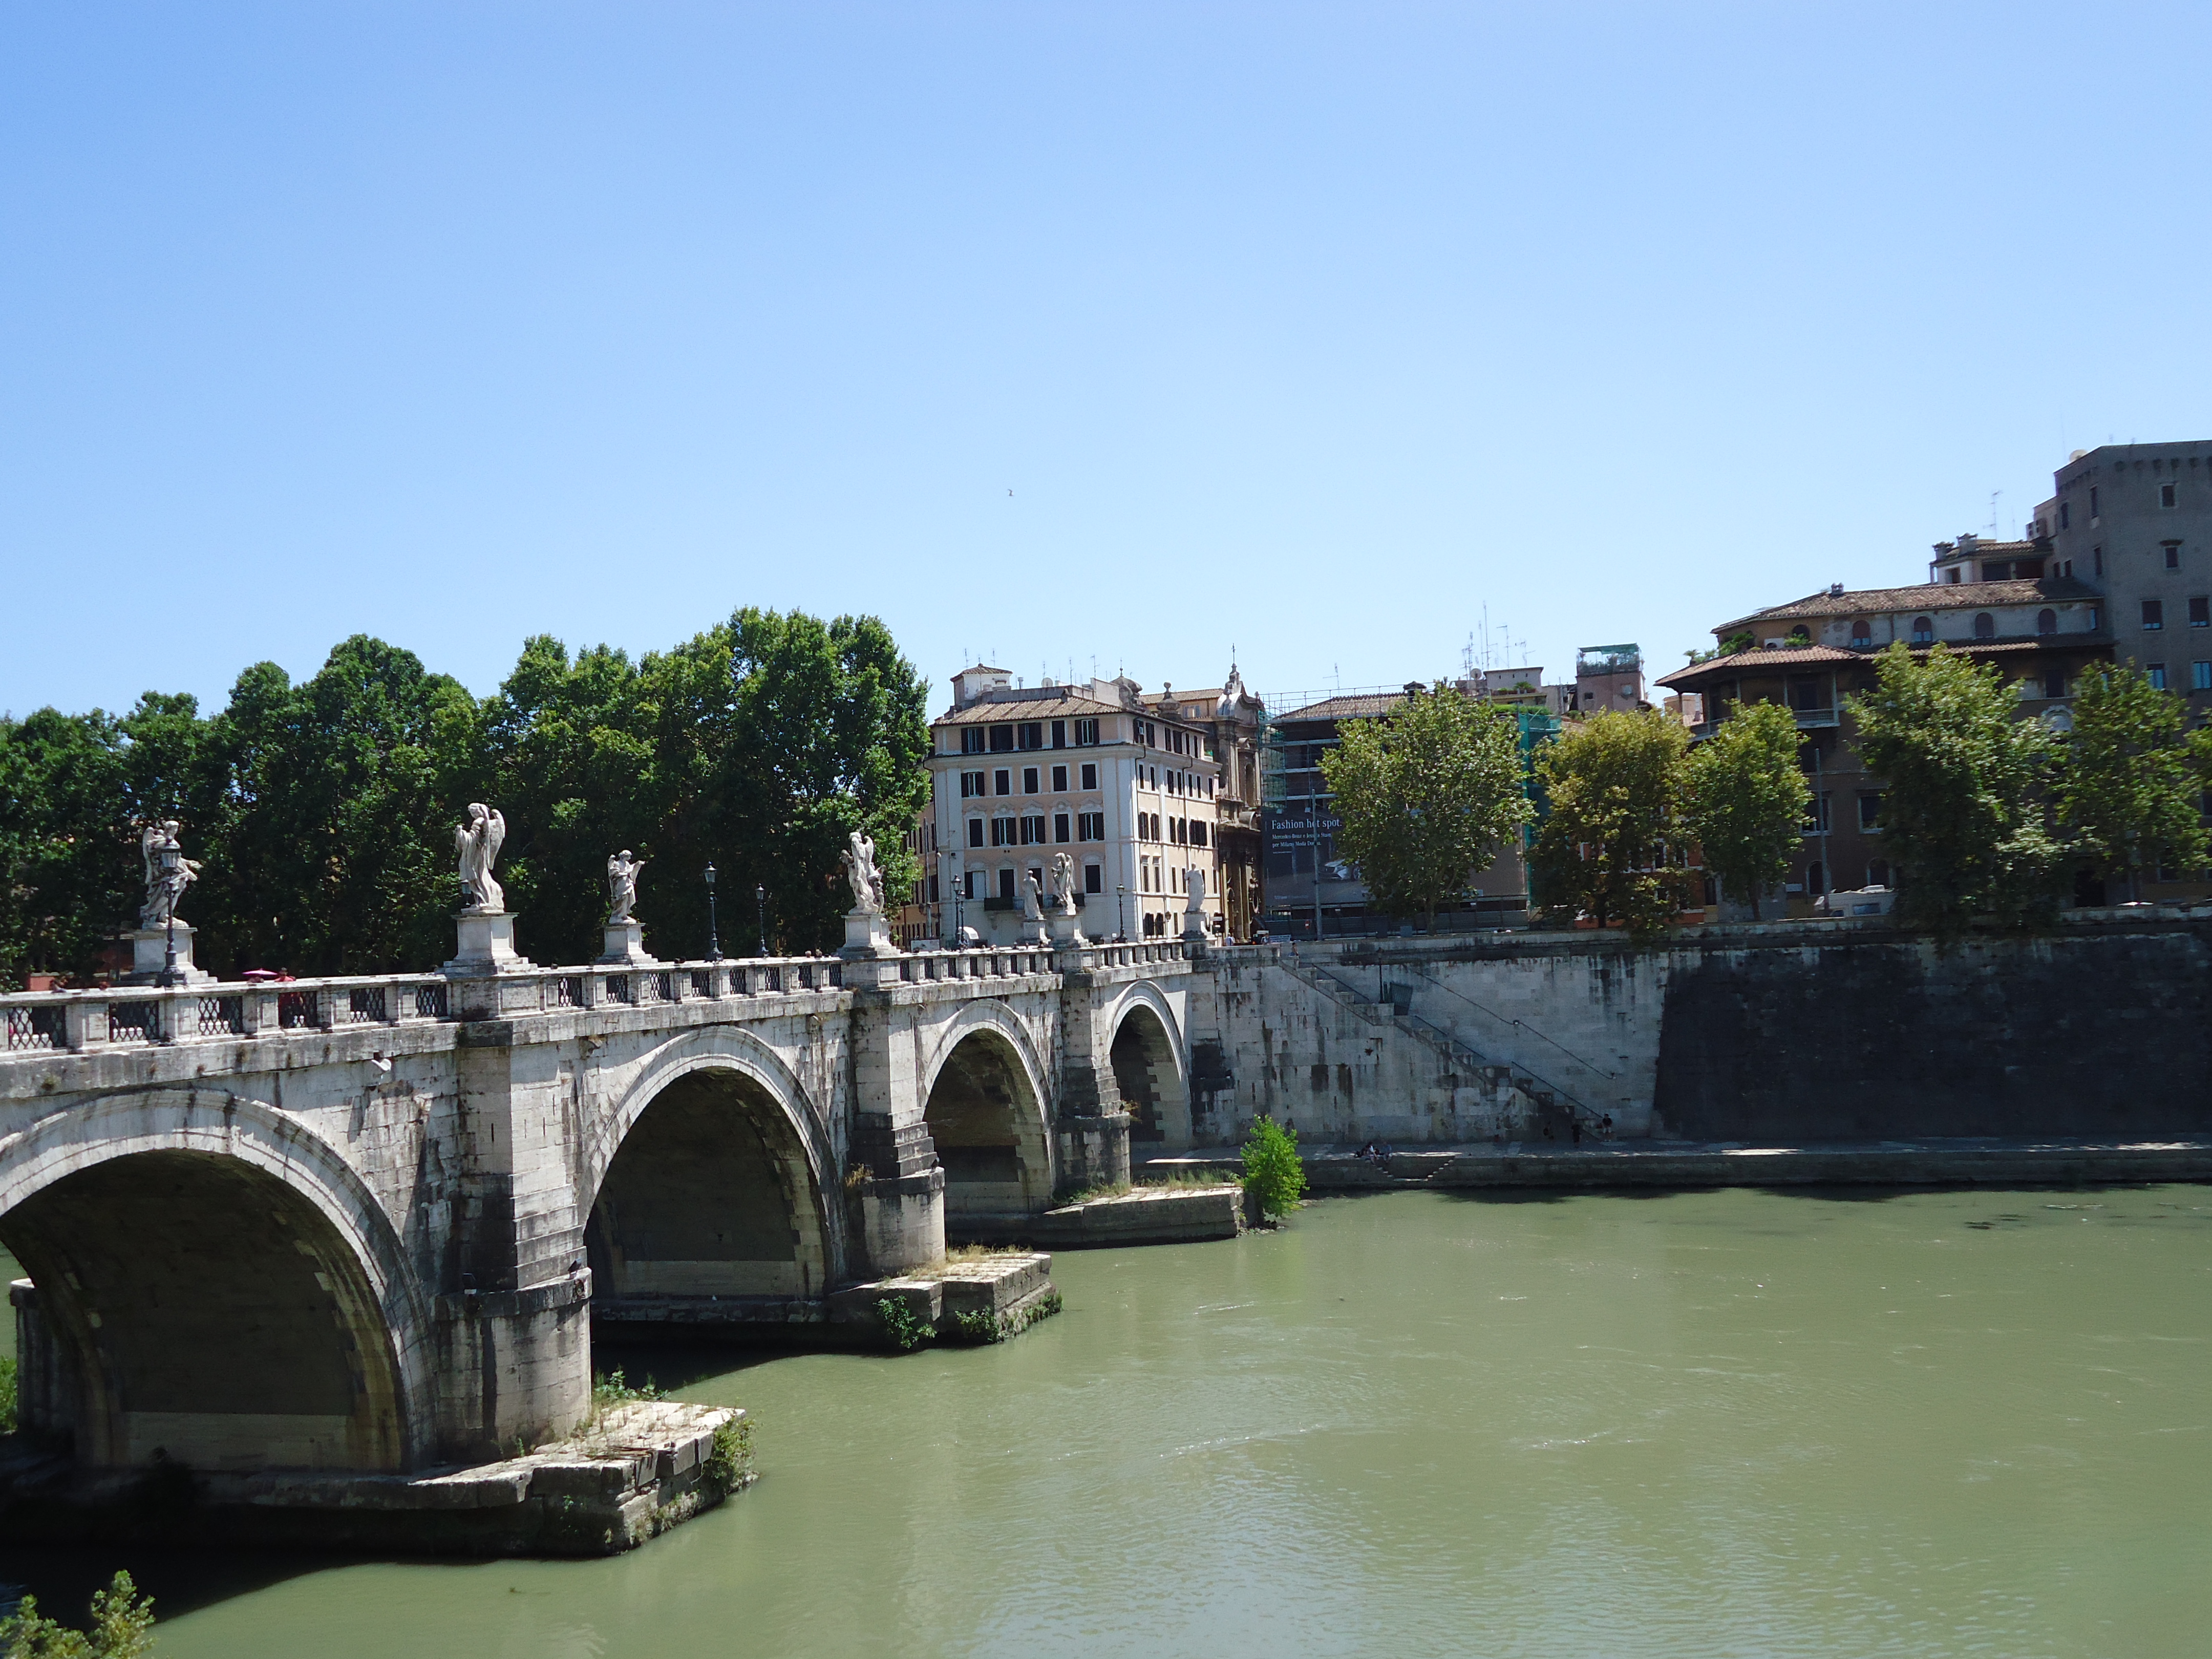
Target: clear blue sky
[(1306, 329)]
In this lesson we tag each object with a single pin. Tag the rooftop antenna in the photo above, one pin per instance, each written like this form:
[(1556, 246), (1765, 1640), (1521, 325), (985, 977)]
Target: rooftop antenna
[(1993, 495)]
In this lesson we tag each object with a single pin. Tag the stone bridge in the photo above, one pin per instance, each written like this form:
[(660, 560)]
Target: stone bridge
[(365, 1223)]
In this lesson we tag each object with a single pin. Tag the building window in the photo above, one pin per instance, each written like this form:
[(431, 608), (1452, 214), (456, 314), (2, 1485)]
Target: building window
[(1032, 829), (2154, 614), (2047, 621), (2065, 515), (2054, 682), (1923, 631), (2166, 495), (1816, 816), (1006, 782), (971, 784), (1878, 873), (2200, 676), (2173, 553), (974, 832), (1060, 734), (1985, 626), (1002, 739), (2200, 612), (2157, 672), (1816, 879), (1086, 734), (1870, 811), (1060, 779), (1029, 780), (1091, 826), (1090, 775), (1006, 883), (1003, 832), (1198, 832), (2097, 561), (971, 740), (1863, 633), (2066, 568), (1060, 826), (1094, 878), (1032, 734)]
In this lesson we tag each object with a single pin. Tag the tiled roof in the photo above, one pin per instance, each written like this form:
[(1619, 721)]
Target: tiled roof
[(1923, 595), (1346, 709), (1758, 661), (1045, 703)]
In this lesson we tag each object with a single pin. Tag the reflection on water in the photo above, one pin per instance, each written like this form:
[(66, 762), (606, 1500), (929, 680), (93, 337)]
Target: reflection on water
[(1713, 1423)]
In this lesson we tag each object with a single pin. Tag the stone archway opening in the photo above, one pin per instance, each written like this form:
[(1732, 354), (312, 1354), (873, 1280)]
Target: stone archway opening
[(710, 1195), (192, 1309), (988, 1129), (1152, 1090)]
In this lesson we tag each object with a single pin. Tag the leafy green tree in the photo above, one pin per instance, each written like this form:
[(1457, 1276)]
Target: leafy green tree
[(2130, 779), (1744, 798), (1272, 1173), (1604, 850), (1959, 814), (1428, 797), (122, 1628), (336, 852)]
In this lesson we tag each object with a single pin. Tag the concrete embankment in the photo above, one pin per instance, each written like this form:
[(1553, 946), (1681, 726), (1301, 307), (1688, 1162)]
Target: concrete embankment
[(1648, 1164), (1144, 1215)]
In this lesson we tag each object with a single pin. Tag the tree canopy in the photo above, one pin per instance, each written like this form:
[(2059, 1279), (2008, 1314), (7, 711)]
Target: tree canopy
[(2132, 779), (1744, 800), (1961, 813), (323, 811), (1428, 797), (1608, 848)]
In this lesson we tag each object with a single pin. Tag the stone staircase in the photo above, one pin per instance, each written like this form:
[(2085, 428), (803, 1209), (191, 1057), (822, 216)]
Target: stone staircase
[(1459, 1060)]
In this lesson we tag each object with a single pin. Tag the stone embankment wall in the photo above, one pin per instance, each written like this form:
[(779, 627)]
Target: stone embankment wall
[(1767, 1034)]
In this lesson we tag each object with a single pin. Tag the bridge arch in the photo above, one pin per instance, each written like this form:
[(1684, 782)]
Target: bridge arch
[(220, 1288), (983, 1096), (1152, 1069), (711, 1178)]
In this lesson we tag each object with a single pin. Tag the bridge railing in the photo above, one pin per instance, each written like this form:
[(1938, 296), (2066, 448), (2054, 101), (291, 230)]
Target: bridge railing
[(121, 1015)]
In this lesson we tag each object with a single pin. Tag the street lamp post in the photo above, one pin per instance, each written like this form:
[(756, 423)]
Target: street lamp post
[(713, 933), (959, 895), (1120, 914), (760, 900)]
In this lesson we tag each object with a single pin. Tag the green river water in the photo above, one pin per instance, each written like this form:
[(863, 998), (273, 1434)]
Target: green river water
[(1694, 1424)]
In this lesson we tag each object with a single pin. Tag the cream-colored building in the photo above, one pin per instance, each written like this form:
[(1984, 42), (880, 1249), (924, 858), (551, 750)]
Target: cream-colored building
[(1129, 791)]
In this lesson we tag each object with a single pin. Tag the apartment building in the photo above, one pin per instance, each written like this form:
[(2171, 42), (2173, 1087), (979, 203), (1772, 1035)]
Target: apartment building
[(1233, 723), (2133, 522), (2042, 631), (1129, 789)]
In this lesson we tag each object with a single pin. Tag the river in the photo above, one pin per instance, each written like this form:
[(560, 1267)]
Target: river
[(1728, 1423)]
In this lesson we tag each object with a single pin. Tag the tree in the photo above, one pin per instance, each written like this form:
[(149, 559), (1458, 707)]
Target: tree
[(122, 1628), (1614, 785), (2130, 779), (1428, 797), (1960, 770), (1272, 1172), (1744, 798)]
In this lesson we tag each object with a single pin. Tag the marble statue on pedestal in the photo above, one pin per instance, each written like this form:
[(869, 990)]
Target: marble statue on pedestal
[(858, 859), (1063, 885), (1032, 898), (622, 885), (169, 872), (476, 843)]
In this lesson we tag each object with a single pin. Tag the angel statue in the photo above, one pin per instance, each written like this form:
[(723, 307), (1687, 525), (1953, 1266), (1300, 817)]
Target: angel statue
[(1063, 885), (169, 872), (859, 862), (622, 885), (477, 843)]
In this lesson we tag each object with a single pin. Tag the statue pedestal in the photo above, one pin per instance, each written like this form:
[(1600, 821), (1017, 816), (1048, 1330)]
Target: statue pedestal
[(866, 935), (1032, 931), (487, 946), (149, 953), (1194, 925), (1067, 929), (625, 943)]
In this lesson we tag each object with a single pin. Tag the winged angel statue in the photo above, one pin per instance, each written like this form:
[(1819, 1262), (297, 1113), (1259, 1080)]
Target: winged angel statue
[(477, 843), (858, 859), (169, 872)]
